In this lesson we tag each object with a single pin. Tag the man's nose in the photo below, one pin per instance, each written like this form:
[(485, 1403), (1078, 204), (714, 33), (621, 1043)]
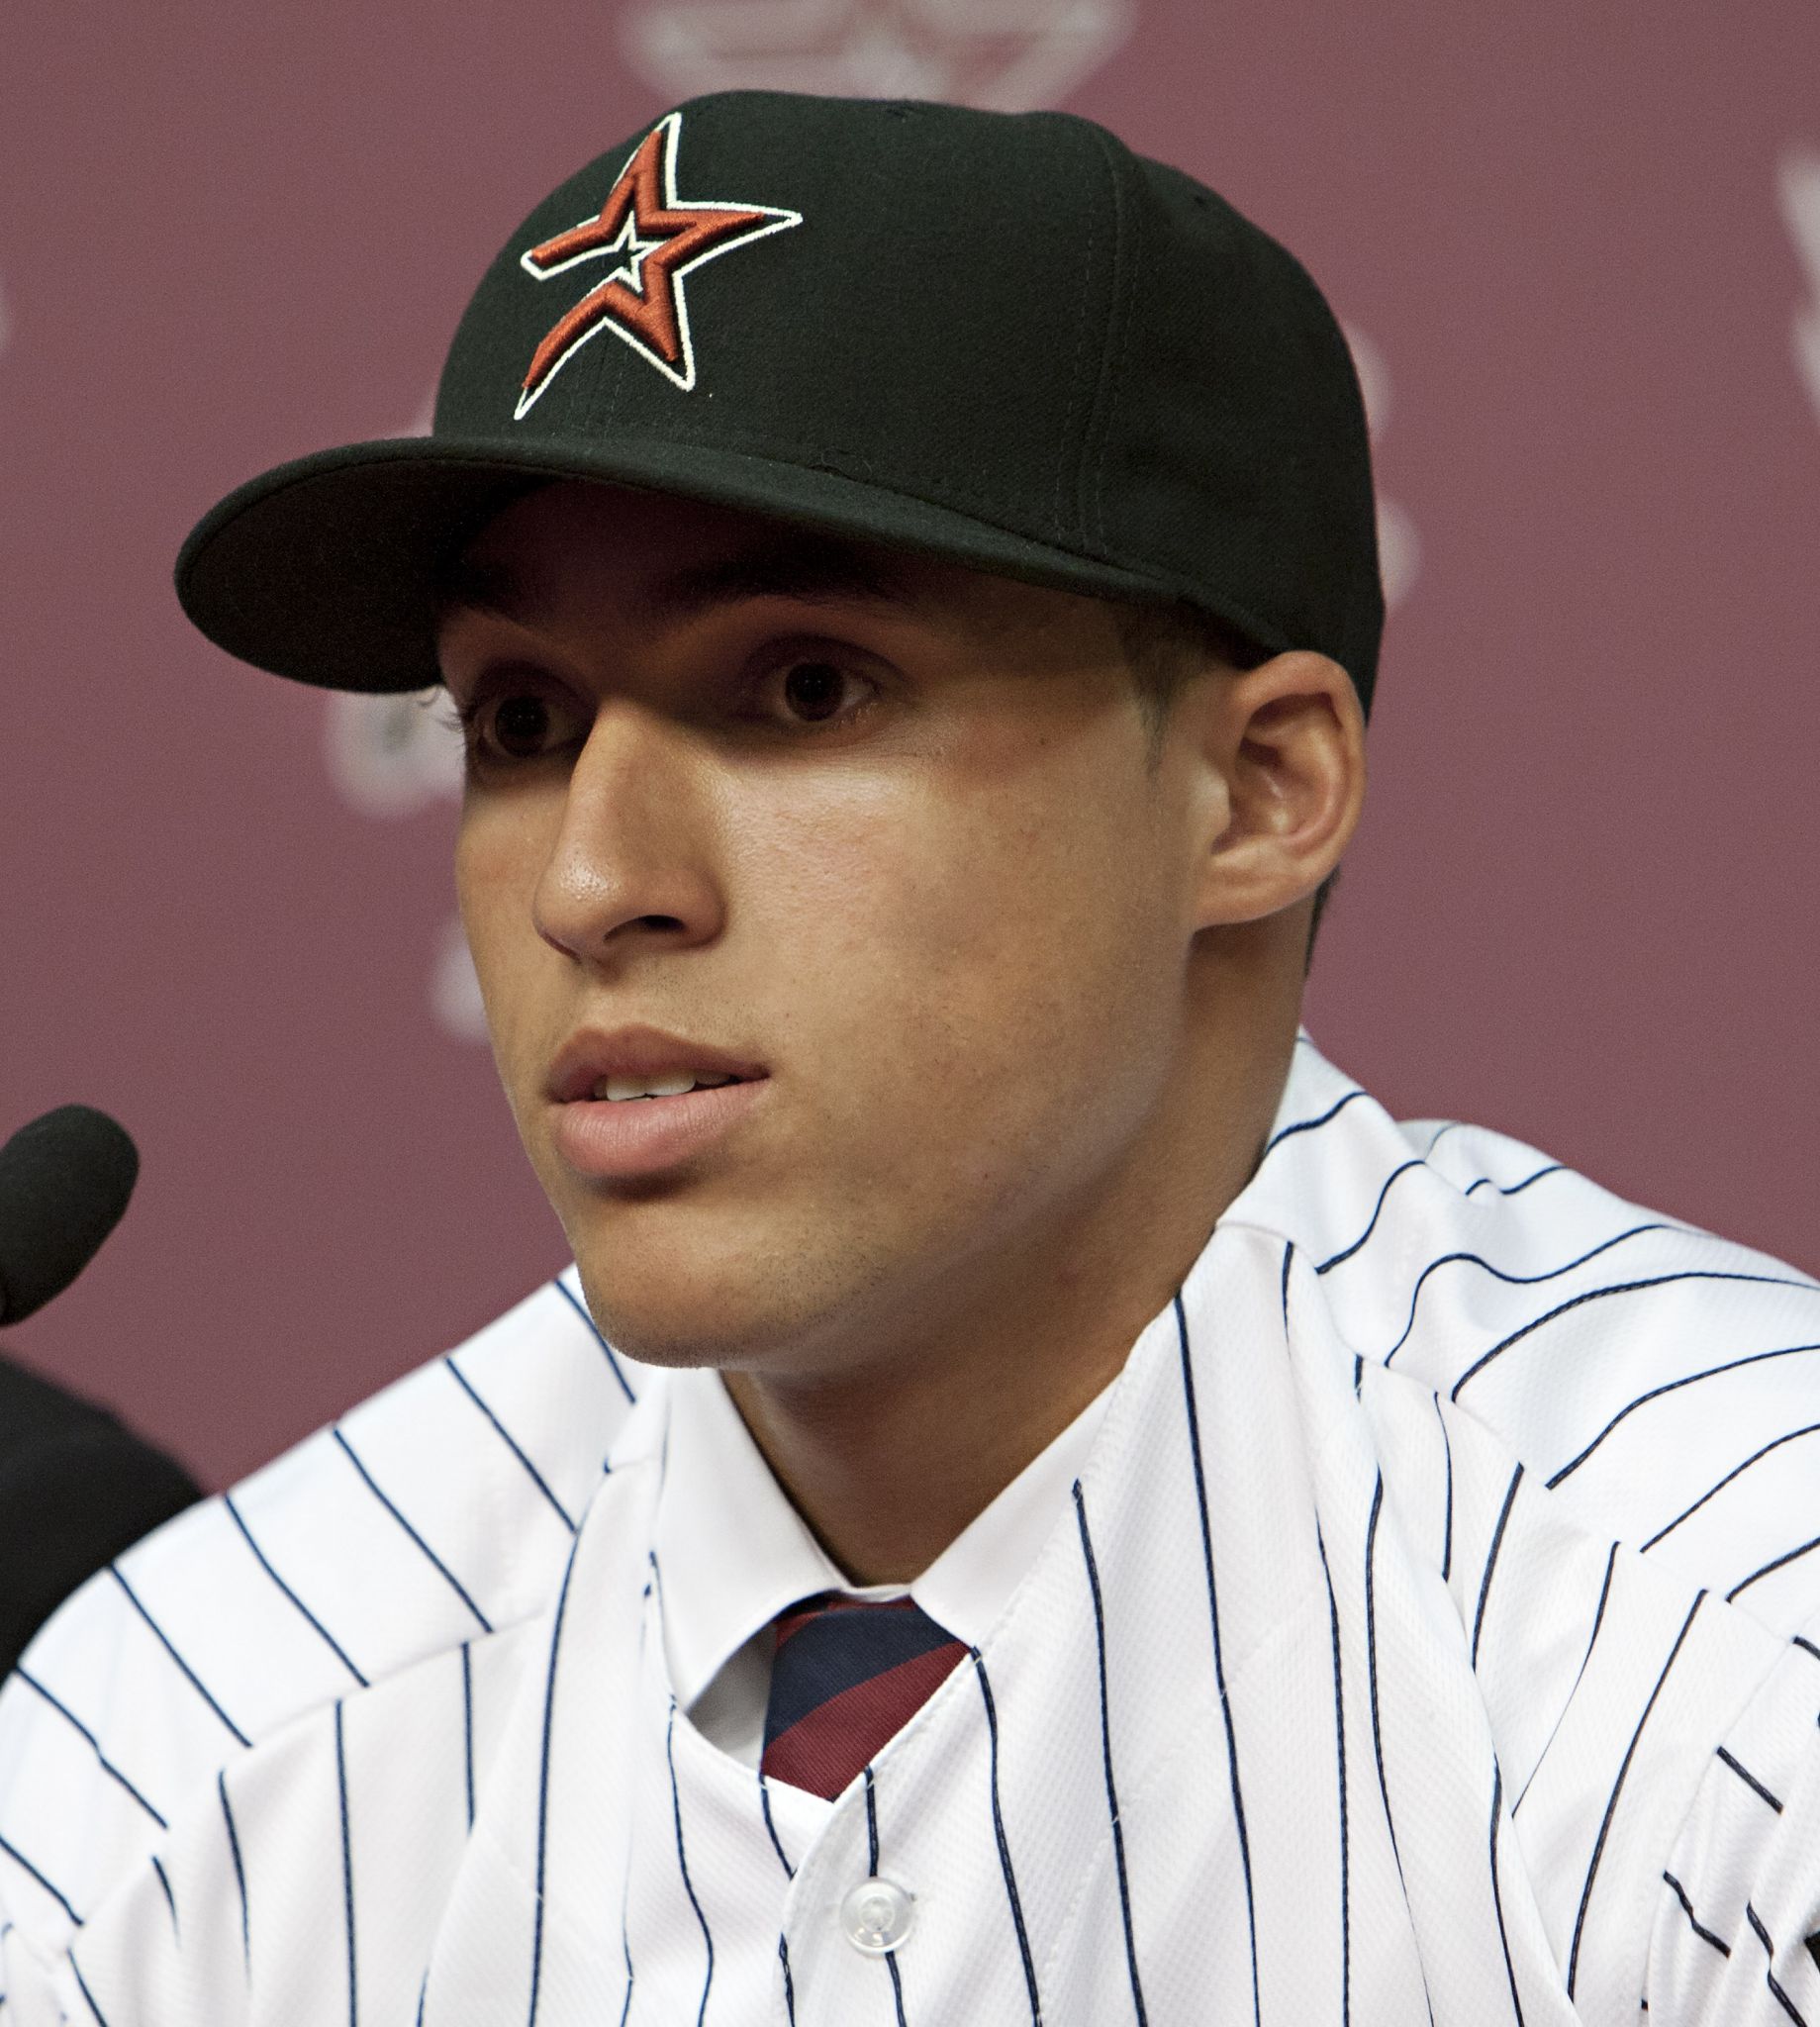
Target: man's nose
[(628, 848)]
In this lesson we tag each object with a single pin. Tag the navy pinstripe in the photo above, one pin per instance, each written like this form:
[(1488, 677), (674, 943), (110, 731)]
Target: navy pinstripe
[(1306, 1126), (1749, 1778), (1737, 1470), (19, 1859), (107, 1766), (626, 1943), (872, 1868), (613, 1362), (790, 1991), (1498, 1899), (1339, 1725), (467, 1725), (190, 1675), (264, 1563), (347, 1869), (1511, 1279), (1693, 1921), (1769, 1569), (505, 1435), (1346, 1252), (1598, 1619), (1370, 1673), (1497, 1542), (1594, 1295), (543, 1784), (1106, 1749), (764, 1803), (681, 1863), (170, 1900), (1731, 1364), (1219, 1668), (448, 1574), (1005, 1849), (1554, 1168), (239, 1871), (1599, 1849), (88, 1998), (1775, 1990)]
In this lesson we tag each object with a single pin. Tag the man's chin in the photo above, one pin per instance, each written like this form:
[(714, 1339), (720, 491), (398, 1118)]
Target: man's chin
[(643, 1326)]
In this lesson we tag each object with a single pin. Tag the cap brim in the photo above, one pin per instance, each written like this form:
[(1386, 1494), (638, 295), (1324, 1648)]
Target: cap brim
[(327, 570)]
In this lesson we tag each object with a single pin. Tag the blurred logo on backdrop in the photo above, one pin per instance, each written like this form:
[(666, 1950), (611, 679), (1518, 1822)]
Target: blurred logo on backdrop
[(399, 756), (1801, 194), (393, 757), (1399, 551), (1009, 55), (396, 756)]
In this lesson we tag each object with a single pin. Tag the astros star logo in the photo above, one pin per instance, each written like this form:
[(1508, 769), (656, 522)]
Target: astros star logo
[(654, 238)]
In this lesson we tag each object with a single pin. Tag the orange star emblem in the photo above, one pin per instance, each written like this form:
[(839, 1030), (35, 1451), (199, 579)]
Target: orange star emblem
[(654, 238)]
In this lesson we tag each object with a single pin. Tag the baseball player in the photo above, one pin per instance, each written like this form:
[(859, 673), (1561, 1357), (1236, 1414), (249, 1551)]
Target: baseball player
[(1038, 1500)]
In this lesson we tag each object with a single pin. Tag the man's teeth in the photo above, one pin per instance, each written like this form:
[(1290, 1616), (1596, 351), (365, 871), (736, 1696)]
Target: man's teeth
[(673, 1086)]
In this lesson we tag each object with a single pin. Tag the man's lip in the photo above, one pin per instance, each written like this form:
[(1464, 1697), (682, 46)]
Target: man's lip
[(641, 1137), (592, 1053)]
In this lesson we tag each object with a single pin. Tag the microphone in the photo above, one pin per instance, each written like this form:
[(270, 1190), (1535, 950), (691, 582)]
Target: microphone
[(65, 1182)]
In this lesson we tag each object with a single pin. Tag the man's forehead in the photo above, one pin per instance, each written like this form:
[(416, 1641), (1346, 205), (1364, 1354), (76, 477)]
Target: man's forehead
[(668, 558)]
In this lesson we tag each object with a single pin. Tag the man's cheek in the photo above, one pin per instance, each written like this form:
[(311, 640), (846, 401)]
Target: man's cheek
[(500, 932), (505, 973)]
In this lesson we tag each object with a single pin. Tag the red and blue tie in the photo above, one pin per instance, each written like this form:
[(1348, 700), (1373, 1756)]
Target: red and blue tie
[(848, 1675)]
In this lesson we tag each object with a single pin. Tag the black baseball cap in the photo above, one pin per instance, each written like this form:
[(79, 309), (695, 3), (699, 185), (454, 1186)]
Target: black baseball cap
[(1002, 339)]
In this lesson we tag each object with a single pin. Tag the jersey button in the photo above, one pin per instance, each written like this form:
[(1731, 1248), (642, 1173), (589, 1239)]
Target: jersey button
[(877, 1915)]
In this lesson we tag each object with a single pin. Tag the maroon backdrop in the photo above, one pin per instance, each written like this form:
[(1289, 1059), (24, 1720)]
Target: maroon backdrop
[(1578, 252)]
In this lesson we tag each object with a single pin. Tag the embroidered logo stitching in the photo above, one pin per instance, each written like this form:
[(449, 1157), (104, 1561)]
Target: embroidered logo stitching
[(655, 238)]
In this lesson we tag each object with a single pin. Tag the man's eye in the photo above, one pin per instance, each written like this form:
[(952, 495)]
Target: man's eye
[(812, 688), (504, 726), (804, 695), (521, 726)]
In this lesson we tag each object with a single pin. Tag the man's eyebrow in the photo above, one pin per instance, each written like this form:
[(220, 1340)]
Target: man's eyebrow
[(814, 569), (809, 567), (464, 585)]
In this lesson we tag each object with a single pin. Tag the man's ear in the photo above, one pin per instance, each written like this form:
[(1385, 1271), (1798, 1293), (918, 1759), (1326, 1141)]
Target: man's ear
[(1286, 740)]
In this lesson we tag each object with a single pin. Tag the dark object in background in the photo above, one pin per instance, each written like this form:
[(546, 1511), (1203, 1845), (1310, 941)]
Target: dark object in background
[(65, 1182), (76, 1487)]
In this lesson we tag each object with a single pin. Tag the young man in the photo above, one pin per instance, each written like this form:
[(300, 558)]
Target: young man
[(1037, 1500)]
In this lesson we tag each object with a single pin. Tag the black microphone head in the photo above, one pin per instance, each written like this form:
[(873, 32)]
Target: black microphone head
[(65, 1182)]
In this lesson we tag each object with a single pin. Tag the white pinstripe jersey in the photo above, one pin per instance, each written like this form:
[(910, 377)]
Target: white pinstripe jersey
[(1433, 1634)]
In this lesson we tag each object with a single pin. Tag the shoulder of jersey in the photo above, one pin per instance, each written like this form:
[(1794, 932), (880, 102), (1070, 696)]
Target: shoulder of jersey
[(438, 1511), (1662, 1381)]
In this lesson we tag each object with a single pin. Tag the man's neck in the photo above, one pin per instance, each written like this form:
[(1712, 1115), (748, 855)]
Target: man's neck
[(888, 1472), (887, 1459)]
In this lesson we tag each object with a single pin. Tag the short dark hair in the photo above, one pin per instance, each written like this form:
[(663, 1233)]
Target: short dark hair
[(1165, 645)]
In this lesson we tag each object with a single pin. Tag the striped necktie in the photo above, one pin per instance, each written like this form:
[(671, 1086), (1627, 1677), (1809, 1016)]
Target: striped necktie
[(849, 1673)]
